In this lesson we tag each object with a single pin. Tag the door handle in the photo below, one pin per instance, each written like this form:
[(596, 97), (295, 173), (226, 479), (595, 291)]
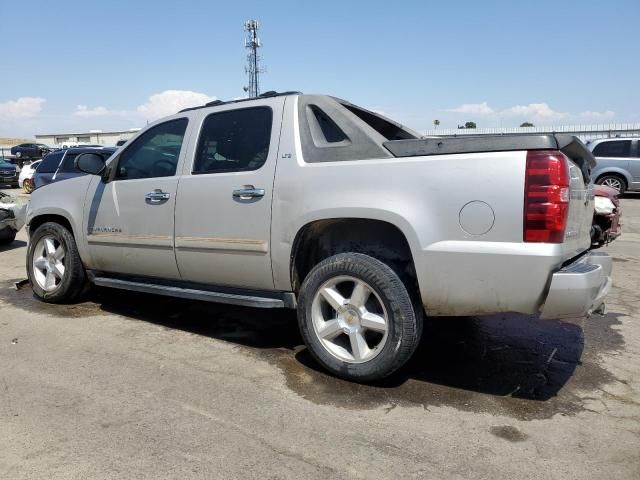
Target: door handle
[(157, 196), (248, 192)]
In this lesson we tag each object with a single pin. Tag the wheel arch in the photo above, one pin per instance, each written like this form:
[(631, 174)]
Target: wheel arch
[(38, 220), (323, 237), (621, 172)]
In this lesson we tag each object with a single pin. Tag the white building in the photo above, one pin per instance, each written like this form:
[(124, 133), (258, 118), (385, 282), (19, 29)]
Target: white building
[(93, 137)]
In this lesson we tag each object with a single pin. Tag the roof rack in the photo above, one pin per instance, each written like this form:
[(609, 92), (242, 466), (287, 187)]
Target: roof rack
[(216, 103)]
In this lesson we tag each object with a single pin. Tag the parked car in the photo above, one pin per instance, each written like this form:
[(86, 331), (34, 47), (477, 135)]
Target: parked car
[(12, 218), (311, 202), (618, 163), (606, 218), (8, 173), (25, 179), (59, 164), (30, 150)]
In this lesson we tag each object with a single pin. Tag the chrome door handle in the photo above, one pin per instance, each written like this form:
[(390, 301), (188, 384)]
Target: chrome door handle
[(248, 192), (157, 196)]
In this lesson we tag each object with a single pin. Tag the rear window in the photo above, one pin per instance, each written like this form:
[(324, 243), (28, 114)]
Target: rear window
[(384, 127), (616, 148), (49, 163), (68, 162)]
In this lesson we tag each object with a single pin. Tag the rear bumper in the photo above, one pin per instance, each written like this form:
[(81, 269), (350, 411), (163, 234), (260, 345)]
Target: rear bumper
[(579, 288)]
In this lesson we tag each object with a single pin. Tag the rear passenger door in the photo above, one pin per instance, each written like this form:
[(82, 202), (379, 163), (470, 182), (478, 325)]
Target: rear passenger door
[(223, 209)]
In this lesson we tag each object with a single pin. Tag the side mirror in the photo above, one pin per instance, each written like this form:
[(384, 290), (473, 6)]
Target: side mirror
[(91, 163)]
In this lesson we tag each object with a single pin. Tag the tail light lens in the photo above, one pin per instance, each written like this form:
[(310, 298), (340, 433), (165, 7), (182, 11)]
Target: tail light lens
[(546, 196)]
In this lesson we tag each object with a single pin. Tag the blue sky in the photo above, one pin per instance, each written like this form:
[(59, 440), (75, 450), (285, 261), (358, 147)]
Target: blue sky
[(117, 64)]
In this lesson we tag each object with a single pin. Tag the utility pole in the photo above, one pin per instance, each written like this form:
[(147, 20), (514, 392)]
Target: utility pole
[(252, 69)]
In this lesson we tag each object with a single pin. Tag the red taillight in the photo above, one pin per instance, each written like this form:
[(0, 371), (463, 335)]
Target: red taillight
[(546, 196)]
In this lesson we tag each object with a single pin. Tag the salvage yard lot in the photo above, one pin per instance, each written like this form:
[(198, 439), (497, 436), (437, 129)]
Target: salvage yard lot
[(127, 385)]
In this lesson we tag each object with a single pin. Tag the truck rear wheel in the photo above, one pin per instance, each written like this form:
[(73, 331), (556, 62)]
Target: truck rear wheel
[(53, 264), (357, 318)]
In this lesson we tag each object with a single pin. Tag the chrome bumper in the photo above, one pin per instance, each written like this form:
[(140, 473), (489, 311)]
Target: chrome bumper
[(579, 288)]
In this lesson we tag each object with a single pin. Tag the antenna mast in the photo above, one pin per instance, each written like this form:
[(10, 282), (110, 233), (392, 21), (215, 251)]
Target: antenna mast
[(252, 69)]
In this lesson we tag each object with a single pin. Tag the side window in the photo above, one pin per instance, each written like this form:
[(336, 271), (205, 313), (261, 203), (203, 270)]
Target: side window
[(49, 163), (155, 153), (233, 141), (324, 130), (617, 148)]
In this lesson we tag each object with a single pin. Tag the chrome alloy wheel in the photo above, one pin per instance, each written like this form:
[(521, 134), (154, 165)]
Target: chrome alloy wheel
[(48, 263), (612, 182), (349, 319)]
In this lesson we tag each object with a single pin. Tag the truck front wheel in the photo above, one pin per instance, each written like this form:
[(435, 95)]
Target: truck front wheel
[(53, 264), (357, 318)]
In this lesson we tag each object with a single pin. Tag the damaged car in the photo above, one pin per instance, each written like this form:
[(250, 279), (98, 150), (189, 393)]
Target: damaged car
[(606, 216), (12, 218)]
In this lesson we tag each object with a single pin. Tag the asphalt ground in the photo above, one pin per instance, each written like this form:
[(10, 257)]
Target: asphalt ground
[(125, 385)]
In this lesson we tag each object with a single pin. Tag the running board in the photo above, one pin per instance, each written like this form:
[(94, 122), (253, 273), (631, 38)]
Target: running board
[(194, 294)]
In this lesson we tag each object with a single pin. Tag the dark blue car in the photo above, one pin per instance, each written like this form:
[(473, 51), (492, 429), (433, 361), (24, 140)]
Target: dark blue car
[(60, 164), (30, 150)]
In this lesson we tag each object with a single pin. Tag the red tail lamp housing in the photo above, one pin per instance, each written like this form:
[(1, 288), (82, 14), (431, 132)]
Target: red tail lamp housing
[(546, 196)]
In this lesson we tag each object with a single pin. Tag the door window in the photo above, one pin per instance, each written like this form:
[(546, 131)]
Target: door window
[(617, 148), (234, 141), (155, 153)]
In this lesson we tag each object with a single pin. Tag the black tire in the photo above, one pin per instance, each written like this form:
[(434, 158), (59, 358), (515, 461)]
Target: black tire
[(7, 235), (404, 321), (615, 178), (74, 280)]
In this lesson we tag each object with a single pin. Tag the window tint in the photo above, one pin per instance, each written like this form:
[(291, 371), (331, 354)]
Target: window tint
[(617, 148), (50, 163), (384, 127), (155, 153), (236, 140), (323, 129)]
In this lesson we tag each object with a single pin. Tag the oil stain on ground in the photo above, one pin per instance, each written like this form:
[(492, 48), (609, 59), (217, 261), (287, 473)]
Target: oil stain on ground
[(510, 364)]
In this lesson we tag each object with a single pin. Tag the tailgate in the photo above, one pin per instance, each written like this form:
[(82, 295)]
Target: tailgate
[(581, 203)]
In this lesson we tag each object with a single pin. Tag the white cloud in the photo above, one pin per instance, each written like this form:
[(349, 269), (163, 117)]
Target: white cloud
[(597, 116), (535, 111), (473, 108), (23, 107), (84, 111), (170, 102)]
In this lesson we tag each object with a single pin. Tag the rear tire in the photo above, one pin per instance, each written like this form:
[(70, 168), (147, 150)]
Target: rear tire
[(614, 181), (54, 267), (357, 318)]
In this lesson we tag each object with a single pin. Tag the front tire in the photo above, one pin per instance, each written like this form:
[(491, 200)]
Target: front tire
[(53, 264), (357, 318)]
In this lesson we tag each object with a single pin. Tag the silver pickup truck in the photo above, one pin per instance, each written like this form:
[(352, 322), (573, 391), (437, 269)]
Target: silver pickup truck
[(311, 202)]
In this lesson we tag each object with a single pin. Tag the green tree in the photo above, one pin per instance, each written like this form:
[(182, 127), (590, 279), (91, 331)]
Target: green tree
[(527, 124), (436, 123), (470, 125)]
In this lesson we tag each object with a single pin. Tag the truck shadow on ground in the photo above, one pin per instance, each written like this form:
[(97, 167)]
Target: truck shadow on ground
[(513, 364), (510, 364), (13, 246)]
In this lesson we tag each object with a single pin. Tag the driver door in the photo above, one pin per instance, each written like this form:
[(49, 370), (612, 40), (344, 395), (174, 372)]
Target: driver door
[(130, 218)]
